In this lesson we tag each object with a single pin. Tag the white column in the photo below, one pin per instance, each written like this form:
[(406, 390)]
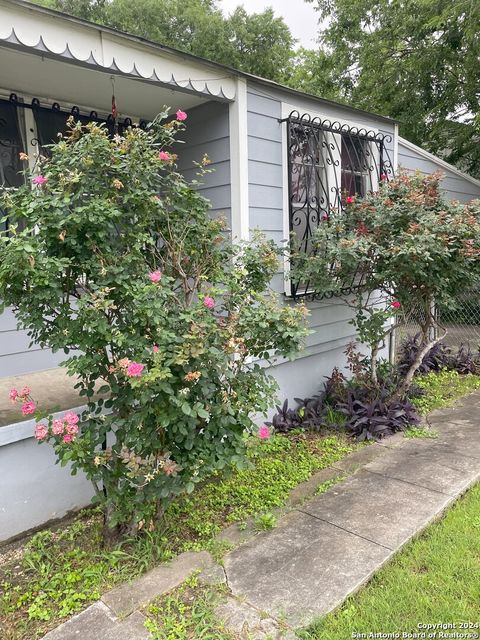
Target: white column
[(239, 162)]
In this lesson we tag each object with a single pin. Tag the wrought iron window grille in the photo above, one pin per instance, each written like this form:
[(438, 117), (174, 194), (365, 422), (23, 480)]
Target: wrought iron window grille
[(327, 162)]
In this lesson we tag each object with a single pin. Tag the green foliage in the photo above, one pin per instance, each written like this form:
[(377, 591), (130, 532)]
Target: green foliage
[(325, 486), (280, 464), (119, 265), (442, 389), (430, 580), (407, 245), (259, 43), (64, 569), (415, 61), (265, 521), (188, 612), (420, 432)]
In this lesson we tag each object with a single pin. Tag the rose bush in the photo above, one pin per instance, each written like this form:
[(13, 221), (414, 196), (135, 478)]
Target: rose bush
[(118, 263), (405, 248)]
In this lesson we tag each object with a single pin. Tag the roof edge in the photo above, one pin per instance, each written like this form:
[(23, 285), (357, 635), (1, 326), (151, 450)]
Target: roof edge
[(190, 56)]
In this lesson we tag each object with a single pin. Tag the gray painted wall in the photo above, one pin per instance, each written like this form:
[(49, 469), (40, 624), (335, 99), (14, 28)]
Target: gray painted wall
[(456, 185), (16, 357), (328, 320), (33, 488), (208, 133)]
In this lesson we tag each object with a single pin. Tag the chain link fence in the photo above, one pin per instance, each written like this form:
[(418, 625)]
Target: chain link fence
[(462, 324)]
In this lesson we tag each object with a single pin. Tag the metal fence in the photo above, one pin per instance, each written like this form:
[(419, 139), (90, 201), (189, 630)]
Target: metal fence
[(462, 323)]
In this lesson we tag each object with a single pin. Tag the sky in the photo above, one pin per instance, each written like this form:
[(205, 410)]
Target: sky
[(300, 16)]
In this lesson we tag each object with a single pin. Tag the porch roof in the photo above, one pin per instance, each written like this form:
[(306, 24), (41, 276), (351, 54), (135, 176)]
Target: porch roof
[(28, 27)]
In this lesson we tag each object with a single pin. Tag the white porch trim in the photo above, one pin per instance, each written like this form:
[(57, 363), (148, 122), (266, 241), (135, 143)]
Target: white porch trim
[(239, 163)]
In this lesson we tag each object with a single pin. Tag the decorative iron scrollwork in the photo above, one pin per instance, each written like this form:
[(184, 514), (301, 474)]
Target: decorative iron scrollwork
[(327, 162)]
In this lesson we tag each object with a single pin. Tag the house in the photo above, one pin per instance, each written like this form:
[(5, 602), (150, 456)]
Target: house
[(282, 160)]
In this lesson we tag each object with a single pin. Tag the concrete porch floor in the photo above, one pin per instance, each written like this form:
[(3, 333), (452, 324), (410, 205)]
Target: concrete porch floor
[(52, 389)]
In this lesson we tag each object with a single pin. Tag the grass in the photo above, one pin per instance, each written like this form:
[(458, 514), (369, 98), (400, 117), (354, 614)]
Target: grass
[(443, 389), (61, 570), (434, 579), (420, 432), (187, 613)]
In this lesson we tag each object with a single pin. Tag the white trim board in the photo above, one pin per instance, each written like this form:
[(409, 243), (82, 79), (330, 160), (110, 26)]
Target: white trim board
[(430, 156)]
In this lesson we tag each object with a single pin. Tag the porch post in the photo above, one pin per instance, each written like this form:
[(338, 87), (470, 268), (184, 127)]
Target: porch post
[(239, 162)]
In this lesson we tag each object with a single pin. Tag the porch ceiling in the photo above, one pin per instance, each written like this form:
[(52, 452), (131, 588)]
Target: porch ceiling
[(29, 74)]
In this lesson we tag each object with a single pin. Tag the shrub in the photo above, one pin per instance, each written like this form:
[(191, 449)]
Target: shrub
[(440, 357), (403, 248), (117, 263)]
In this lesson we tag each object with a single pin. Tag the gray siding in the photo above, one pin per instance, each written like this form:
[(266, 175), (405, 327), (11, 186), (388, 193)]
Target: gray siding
[(16, 356), (208, 133), (457, 187), (328, 320)]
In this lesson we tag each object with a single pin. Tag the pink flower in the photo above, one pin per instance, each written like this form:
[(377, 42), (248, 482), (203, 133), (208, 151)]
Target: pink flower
[(264, 433), (28, 408), (395, 304), (164, 155), (13, 395), (350, 200), (67, 437), (155, 276), (25, 392), (40, 180), (181, 115), (208, 302), (58, 427), (155, 349), (383, 177), (135, 369), (72, 429), (41, 431), (71, 418)]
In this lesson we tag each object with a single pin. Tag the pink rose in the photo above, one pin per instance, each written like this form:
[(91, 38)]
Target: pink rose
[(264, 433), (40, 180), (135, 369), (164, 155), (208, 302), (71, 418), (72, 429), (155, 276), (41, 431), (25, 392), (13, 395), (395, 304), (28, 408), (155, 349), (383, 177), (68, 437), (58, 427), (350, 200), (181, 115)]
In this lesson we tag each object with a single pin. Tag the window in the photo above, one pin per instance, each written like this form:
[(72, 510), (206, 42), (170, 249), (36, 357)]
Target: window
[(327, 162), (11, 144)]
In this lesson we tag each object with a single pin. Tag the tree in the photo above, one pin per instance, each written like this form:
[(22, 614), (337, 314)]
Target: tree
[(263, 44), (118, 264), (260, 43), (406, 248), (414, 60)]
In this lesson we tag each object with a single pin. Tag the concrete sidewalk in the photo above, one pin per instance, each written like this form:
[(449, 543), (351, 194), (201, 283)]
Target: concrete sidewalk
[(322, 550)]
